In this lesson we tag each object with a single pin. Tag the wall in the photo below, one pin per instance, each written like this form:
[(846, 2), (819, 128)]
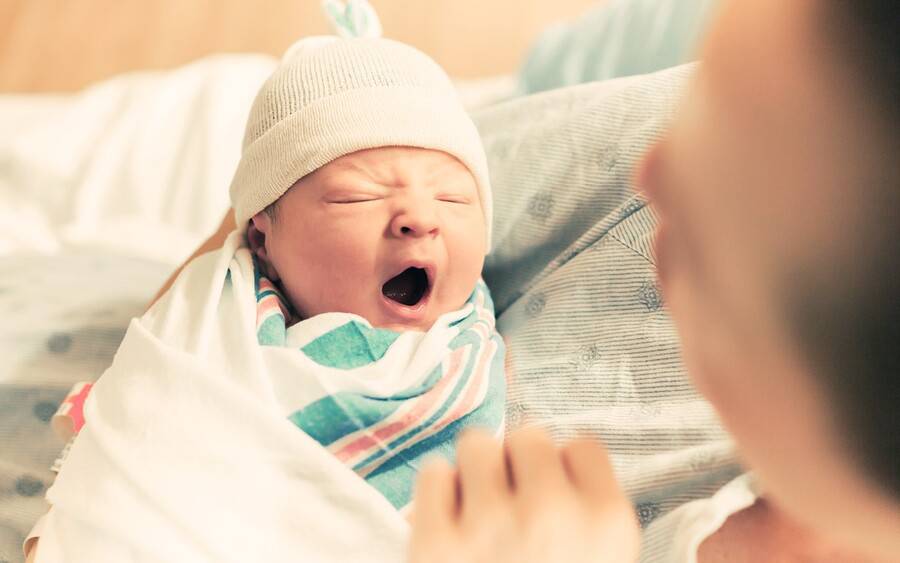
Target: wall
[(62, 45)]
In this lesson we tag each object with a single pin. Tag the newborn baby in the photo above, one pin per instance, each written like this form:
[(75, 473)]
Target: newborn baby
[(342, 332), (389, 221)]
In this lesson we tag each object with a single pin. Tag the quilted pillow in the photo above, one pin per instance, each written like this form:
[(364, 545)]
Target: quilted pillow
[(591, 348)]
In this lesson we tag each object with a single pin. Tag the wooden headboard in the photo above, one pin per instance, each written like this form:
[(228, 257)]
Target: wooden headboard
[(63, 45)]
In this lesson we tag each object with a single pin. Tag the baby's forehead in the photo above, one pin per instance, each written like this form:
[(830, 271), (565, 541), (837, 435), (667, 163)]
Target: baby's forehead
[(384, 163)]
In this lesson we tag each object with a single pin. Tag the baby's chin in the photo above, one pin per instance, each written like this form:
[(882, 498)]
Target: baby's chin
[(403, 327)]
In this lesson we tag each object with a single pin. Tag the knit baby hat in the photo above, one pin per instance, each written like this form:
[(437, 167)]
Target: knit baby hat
[(331, 96)]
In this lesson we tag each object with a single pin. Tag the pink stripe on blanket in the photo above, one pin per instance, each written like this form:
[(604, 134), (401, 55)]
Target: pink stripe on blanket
[(425, 403), (69, 417), (482, 370), (470, 399), (268, 306), (464, 405), (465, 402)]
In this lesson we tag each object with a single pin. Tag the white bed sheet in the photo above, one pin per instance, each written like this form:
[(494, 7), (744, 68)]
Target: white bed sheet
[(139, 164)]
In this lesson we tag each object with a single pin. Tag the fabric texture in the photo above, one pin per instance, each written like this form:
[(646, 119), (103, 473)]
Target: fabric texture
[(591, 348), (64, 317), (192, 434), (330, 97), (678, 536)]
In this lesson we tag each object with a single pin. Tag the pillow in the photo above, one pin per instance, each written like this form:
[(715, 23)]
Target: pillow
[(137, 164), (616, 38), (591, 347)]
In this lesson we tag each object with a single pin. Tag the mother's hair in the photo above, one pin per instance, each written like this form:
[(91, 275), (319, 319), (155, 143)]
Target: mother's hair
[(847, 319)]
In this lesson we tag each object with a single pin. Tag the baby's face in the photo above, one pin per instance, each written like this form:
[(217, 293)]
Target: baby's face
[(395, 235)]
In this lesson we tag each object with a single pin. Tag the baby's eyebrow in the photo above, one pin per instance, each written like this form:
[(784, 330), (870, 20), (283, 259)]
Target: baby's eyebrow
[(367, 174), (350, 166)]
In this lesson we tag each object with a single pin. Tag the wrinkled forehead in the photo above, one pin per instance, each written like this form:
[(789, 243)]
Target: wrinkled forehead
[(397, 166)]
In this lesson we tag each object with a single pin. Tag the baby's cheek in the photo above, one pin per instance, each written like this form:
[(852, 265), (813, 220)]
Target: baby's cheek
[(466, 275)]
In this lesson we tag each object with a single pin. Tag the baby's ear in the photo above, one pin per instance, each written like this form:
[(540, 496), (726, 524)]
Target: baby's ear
[(259, 229)]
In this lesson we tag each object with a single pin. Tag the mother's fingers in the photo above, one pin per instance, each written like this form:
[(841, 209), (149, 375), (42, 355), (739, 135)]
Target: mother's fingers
[(603, 501), (433, 538), (534, 464), (588, 466), (435, 495), (482, 474)]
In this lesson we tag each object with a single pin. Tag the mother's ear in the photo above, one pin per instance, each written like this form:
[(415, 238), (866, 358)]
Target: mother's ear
[(259, 231)]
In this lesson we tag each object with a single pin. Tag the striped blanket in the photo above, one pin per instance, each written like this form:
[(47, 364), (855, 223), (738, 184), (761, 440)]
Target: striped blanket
[(441, 382)]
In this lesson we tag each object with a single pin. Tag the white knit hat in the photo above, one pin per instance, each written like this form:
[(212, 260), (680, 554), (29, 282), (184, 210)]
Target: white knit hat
[(333, 96)]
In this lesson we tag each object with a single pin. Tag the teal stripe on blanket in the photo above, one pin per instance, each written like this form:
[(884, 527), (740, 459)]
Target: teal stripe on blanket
[(271, 332), (331, 418), (350, 346)]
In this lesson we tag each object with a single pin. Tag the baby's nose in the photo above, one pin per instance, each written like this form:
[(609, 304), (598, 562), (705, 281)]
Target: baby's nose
[(414, 223)]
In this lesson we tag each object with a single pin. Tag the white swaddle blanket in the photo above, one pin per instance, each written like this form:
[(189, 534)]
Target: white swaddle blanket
[(189, 452)]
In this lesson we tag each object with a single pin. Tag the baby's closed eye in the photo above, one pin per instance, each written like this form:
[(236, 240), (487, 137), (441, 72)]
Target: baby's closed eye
[(351, 197), (454, 198)]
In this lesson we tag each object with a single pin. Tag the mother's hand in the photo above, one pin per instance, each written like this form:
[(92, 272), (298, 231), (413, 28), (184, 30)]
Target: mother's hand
[(527, 501)]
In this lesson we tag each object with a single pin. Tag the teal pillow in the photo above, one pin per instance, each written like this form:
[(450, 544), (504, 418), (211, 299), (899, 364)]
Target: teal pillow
[(616, 38)]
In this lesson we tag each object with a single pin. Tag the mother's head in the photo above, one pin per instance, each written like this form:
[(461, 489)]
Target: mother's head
[(778, 190)]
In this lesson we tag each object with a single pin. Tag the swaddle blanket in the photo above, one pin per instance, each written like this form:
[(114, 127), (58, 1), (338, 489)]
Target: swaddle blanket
[(446, 382), (191, 449)]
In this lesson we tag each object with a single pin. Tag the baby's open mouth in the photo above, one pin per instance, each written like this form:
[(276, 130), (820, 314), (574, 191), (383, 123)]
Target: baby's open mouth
[(408, 287)]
